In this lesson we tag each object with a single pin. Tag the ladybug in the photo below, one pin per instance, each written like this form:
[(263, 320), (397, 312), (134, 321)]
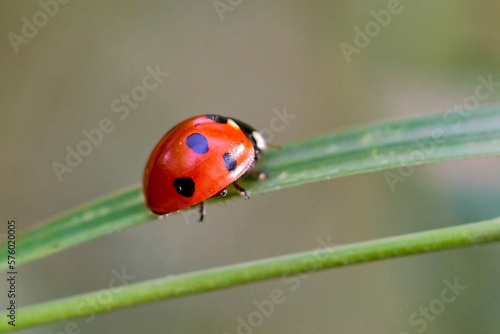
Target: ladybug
[(197, 160)]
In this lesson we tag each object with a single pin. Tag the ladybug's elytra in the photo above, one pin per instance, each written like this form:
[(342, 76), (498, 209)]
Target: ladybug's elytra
[(198, 159)]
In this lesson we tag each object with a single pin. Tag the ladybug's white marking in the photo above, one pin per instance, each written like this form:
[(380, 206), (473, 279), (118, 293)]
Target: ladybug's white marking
[(233, 123), (259, 141)]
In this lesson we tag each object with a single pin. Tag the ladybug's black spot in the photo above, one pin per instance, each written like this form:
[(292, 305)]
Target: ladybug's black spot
[(198, 143), (217, 118), (229, 161), (184, 186)]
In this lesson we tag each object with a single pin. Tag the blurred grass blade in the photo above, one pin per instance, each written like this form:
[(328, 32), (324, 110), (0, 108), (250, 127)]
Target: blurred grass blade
[(402, 143), (227, 276)]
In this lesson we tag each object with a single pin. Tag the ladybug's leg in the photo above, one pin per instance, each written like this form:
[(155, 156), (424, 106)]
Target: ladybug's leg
[(242, 191), (222, 193), (202, 211)]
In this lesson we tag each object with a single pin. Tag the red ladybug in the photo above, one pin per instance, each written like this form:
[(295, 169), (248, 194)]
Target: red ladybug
[(198, 159)]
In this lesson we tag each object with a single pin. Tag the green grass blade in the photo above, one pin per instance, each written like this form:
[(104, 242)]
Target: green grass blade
[(227, 276), (394, 144)]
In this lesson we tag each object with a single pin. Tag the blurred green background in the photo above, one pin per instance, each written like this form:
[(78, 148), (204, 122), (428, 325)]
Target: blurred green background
[(250, 60)]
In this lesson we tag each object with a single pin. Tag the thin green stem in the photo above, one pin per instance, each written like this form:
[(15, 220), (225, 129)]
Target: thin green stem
[(227, 276)]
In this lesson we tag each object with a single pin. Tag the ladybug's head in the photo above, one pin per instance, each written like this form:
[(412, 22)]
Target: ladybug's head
[(259, 143)]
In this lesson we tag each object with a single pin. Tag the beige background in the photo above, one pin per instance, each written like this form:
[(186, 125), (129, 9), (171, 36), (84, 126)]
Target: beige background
[(263, 55)]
